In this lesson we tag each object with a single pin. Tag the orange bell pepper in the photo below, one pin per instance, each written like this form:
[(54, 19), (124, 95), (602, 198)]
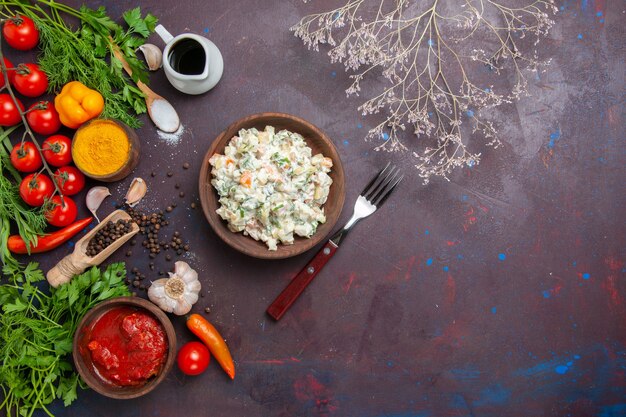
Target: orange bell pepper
[(77, 103)]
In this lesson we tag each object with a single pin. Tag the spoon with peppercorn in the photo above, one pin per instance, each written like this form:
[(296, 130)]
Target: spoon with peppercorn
[(93, 248)]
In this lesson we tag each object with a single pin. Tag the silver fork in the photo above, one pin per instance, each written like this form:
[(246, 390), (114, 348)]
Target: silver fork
[(371, 198)]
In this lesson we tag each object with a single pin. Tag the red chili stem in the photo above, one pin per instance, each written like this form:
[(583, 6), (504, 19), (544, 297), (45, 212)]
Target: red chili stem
[(7, 85)]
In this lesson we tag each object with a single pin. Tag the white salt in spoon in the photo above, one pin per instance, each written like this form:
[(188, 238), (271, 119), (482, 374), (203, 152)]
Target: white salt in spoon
[(160, 110)]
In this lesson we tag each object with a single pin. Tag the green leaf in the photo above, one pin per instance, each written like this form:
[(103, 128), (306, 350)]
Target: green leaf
[(151, 22), (83, 281), (106, 294), (73, 293), (63, 347), (33, 273), (67, 390), (132, 16), (17, 305), (61, 293), (8, 294), (51, 377)]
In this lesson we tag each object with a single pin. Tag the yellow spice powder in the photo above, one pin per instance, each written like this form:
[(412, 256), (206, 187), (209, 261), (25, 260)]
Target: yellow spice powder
[(101, 148)]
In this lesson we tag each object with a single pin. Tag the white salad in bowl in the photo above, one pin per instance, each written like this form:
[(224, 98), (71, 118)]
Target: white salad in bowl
[(270, 185)]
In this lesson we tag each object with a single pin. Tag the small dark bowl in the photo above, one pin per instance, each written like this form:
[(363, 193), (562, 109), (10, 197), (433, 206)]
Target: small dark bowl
[(131, 161), (83, 361), (317, 141)]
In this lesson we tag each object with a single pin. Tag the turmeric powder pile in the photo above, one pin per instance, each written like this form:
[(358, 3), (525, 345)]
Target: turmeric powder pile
[(100, 148)]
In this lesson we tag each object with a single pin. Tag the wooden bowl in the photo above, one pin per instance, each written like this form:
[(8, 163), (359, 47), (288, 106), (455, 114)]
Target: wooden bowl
[(82, 356), (317, 141), (131, 161)]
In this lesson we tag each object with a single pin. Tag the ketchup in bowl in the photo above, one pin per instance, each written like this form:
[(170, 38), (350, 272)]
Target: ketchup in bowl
[(127, 346)]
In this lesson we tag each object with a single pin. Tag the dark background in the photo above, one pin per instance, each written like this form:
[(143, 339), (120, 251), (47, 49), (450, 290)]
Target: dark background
[(498, 293)]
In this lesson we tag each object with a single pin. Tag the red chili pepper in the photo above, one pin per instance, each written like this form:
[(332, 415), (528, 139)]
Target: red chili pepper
[(214, 341), (48, 242)]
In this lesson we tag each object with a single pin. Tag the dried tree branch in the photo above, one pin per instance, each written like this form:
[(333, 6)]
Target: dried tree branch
[(424, 50)]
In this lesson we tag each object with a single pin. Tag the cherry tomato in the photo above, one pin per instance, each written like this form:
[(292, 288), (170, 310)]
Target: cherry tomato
[(35, 189), (10, 73), (57, 150), (21, 33), (25, 157), (63, 211), (193, 358), (29, 80), (43, 118), (9, 113), (70, 180)]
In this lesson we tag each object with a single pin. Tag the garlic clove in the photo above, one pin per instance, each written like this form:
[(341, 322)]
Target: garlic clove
[(184, 271), (95, 197), (182, 307), (152, 55), (137, 190)]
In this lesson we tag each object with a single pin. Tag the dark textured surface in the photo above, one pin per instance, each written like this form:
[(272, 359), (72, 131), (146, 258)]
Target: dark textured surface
[(499, 293)]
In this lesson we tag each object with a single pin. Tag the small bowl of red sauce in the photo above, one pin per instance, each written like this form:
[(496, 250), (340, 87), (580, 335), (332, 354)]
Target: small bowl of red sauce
[(124, 347)]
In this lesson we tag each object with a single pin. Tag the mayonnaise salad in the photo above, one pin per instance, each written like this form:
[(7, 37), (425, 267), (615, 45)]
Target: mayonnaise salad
[(270, 186)]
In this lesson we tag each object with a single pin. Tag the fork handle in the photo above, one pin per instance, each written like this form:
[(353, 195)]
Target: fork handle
[(291, 293)]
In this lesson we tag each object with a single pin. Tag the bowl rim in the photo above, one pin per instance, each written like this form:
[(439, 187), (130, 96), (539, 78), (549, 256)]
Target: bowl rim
[(123, 392), (133, 139), (220, 227)]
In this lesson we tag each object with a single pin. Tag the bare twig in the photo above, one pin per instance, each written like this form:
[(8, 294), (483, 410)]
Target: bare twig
[(422, 50)]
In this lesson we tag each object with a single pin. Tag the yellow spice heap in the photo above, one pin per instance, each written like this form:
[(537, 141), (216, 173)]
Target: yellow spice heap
[(100, 148)]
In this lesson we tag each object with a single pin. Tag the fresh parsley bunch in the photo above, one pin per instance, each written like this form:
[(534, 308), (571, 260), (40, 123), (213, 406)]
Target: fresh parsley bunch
[(36, 333)]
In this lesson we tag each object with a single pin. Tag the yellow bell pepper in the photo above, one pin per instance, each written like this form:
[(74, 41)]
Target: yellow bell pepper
[(77, 103)]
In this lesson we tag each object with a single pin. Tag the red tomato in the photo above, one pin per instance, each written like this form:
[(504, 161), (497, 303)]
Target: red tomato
[(25, 157), (193, 358), (43, 118), (10, 73), (70, 180), (57, 150), (21, 33), (9, 113), (63, 211), (35, 189), (30, 81)]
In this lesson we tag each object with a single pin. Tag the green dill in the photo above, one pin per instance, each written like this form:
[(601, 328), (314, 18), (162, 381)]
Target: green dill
[(85, 54), (36, 332), (30, 222)]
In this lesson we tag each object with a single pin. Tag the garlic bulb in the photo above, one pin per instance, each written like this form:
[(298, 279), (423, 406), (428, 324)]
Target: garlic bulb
[(177, 293)]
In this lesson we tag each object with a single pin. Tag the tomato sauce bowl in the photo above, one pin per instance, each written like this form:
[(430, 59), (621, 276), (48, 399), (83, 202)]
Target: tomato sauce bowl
[(124, 347)]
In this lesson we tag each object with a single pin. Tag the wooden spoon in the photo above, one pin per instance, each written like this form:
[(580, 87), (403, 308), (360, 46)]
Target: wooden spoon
[(160, 110), (76, 262)]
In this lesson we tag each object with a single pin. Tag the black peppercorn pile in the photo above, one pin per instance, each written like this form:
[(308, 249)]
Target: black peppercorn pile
[(151, 227), (107, 235)]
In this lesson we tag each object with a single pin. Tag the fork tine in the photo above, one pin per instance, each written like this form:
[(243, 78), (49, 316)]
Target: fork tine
[(369, 186), (389, 176), (383, 196)]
